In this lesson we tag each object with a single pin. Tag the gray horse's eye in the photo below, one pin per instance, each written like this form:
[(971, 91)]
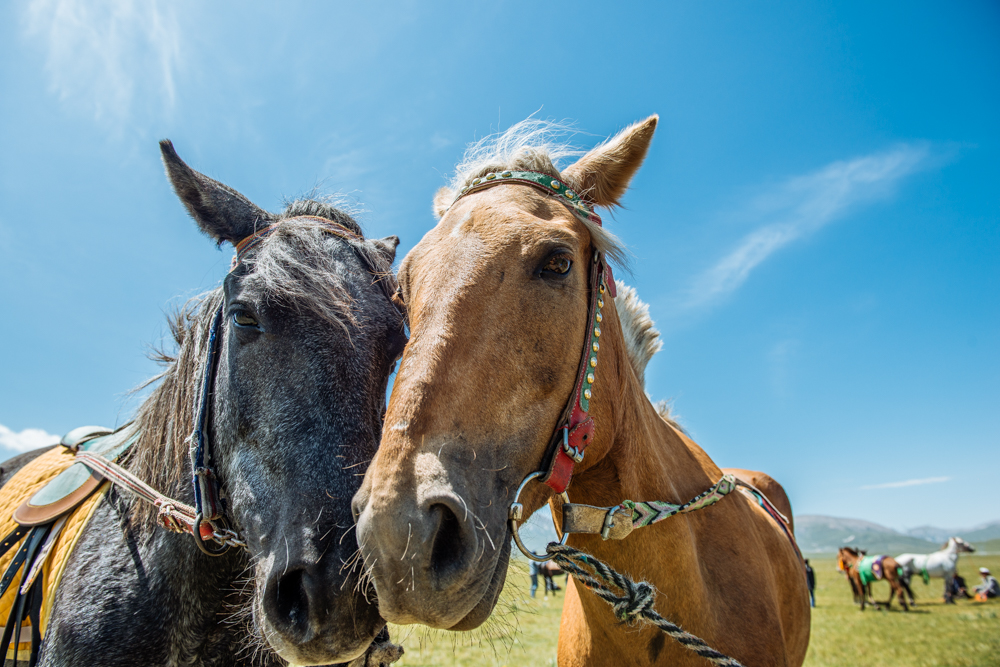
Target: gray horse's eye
[(242, 318), (559, 264)]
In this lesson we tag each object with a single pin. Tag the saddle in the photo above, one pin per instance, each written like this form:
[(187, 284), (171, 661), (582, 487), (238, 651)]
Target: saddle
[(870, 569), (45, 507)]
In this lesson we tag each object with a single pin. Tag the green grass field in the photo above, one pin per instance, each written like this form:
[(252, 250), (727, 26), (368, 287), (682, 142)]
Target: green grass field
[(524, 631), (931, 634)]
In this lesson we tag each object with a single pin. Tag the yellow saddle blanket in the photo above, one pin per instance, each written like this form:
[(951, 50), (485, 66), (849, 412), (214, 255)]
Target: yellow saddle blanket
[(25, 483)]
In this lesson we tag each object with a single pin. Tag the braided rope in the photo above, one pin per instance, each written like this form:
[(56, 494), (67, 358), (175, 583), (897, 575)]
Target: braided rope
[(122, 477), (634, 602), (173, 514)]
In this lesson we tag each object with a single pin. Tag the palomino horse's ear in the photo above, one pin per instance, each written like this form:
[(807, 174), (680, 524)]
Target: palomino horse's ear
[(442, 200), (221, 212), (386, 247), (603, 174)]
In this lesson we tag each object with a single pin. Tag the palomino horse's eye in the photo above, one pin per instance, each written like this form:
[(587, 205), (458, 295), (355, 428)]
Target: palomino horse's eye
[(559, 264), (243, 319)]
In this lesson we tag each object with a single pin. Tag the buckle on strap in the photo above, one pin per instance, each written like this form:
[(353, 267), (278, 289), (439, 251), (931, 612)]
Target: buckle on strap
[(611, 523), (571, 451)]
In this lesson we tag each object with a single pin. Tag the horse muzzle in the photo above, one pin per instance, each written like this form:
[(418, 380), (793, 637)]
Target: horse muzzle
[(431, 563), (310, 614)]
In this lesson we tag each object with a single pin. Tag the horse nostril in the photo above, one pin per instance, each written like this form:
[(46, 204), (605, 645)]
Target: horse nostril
[(447, 551), (291, 605), (358, 503)]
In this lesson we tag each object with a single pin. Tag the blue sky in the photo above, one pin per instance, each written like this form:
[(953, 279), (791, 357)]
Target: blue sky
[(816, 228)]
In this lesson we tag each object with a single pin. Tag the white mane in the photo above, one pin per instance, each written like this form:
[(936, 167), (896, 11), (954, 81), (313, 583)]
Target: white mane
[(642, 341), (531, 145)]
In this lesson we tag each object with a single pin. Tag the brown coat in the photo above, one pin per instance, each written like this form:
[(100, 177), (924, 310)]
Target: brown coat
[(497, 332)]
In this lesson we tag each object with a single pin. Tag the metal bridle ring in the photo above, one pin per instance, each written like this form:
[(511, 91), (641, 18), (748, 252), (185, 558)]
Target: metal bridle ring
[(514, 514), (196, 531)]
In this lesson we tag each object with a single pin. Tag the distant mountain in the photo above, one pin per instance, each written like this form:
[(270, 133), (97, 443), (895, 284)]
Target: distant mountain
[(826, 534), (980, 533), (930, 533)]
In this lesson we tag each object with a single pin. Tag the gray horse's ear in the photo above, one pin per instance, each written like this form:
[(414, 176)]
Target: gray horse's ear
[(443, 199), (603, 174), (221, 212), (386, 247)]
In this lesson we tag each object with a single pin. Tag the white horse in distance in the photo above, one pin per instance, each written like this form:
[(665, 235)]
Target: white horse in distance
[(939, 565)]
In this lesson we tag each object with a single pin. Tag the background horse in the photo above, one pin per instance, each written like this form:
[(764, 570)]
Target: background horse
[(497, 296), (549, 570), (850, 560), (856, 592), (939, 565), (307, 344)]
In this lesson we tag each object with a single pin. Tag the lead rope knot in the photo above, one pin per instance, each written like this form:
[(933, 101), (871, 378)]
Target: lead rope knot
[(639, 599), (635, 600)]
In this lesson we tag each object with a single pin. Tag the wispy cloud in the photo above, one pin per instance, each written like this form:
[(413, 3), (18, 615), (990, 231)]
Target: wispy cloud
[(106, 54), (781, 359), (802, 205), (29, 438), (909, 482)]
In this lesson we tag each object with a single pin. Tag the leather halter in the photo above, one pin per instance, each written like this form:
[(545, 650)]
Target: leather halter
[(209, 506), (575, 428), (252, 241)]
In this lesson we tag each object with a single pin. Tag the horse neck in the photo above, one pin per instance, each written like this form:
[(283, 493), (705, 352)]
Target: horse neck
[(642, 457), (204, 600), (169, 598), (638, 456)]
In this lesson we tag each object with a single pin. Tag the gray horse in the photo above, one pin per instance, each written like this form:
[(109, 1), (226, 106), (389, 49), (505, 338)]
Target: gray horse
[(307, 342)]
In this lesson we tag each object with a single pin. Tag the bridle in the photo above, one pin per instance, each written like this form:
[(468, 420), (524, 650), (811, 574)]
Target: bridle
[(210, 509), (207, 519), (575, 429), (574, 432)]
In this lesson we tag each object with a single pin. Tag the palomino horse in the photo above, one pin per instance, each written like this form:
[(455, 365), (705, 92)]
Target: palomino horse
[(940, 565), (862, 570), (307, 337), (501, 298)]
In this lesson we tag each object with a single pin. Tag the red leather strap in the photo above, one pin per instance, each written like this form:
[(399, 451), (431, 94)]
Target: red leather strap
[(206, 530), (576, 427)]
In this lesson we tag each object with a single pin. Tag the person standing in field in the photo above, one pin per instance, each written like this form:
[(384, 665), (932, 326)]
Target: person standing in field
[(811, 583), (989, 588), (535, 568)]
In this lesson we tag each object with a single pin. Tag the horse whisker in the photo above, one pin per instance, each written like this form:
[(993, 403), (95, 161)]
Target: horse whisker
[(409, 532), (353, 526)]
